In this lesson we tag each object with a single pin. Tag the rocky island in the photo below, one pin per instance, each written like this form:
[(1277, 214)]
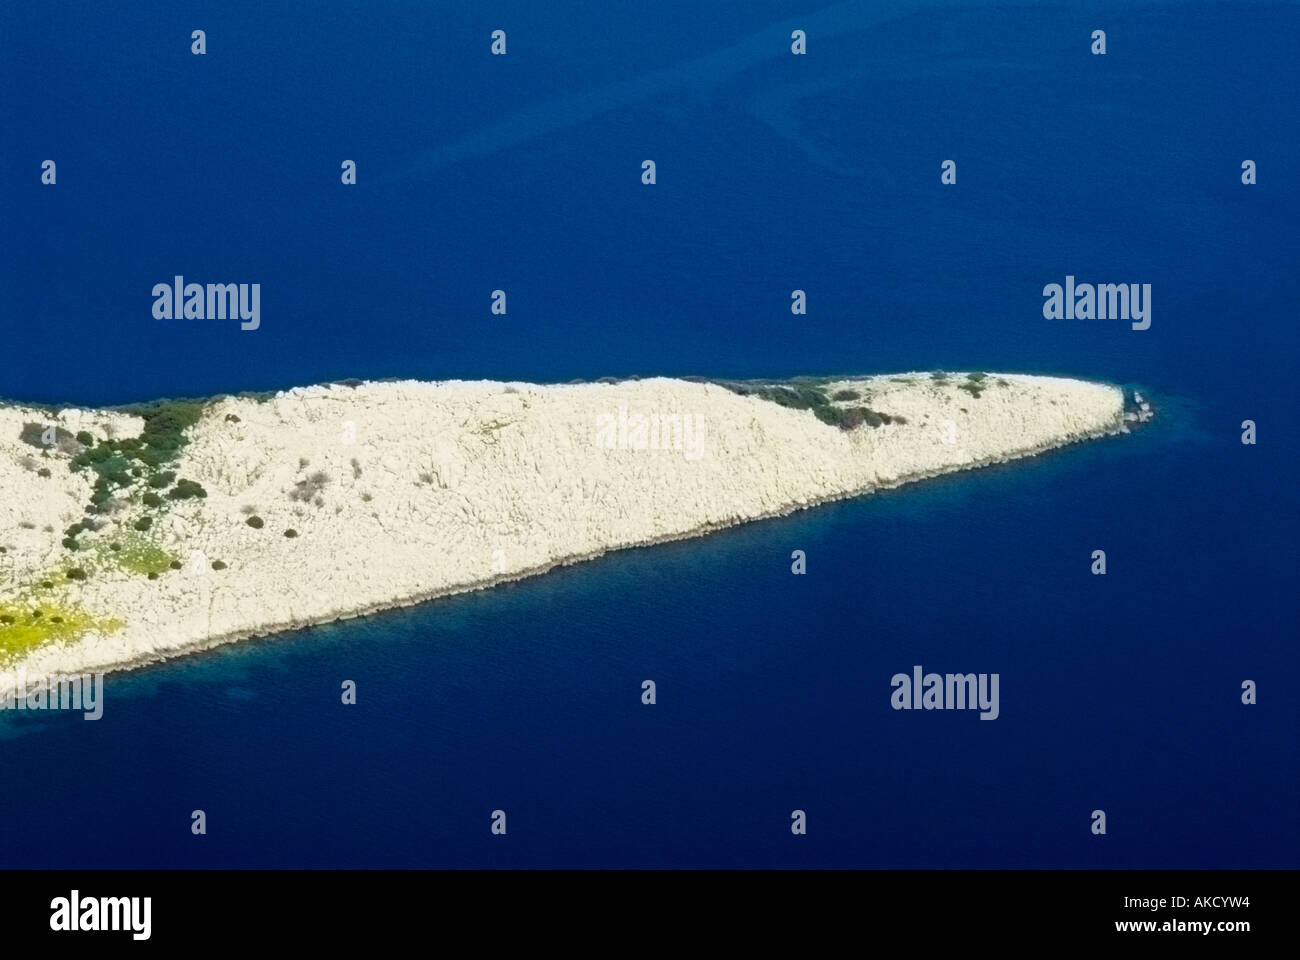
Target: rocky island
[(131, 535)]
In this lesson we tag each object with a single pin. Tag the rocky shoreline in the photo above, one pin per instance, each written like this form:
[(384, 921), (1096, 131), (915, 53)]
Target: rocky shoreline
[(152, 534)]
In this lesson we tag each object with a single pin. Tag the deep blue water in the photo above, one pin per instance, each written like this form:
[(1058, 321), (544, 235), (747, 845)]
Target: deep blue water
[(775, 172)]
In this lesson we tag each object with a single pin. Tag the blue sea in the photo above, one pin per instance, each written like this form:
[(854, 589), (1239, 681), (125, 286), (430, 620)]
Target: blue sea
[(775, 172)]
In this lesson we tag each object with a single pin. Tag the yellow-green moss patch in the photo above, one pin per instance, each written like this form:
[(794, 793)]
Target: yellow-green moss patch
[(135, 552), (26, 625), (141, 556)]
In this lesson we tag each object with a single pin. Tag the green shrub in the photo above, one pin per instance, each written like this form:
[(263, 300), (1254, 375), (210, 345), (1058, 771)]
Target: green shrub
[(43, 472), (160, 480), (151, 499), (846, 395), (144, 523), (291, 533), (164, 428), (110, 467), (92, 456), (76, 573), (255, 523), (846, 418), (185, 490), (32, 434), (218, 565), (851, 418), (85, 439)]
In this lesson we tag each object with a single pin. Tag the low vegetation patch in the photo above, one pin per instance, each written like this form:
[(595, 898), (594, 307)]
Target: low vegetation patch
[(126, 471), (39, 435), (26, 625), (143, 556), (974, 384), (309, 490), (186, 490), (812, 396)]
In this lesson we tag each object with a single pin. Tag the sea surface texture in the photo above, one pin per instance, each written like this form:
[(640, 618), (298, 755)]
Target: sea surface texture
[(775, 172)]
